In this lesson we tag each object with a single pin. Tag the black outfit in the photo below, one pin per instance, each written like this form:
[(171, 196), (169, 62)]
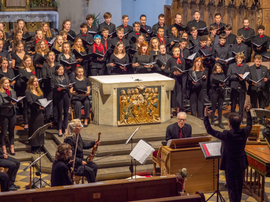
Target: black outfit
[(87, 37), (220, 25), (38, 69), (13, 165), (163, 58), (240, 48), (61, 99), (4, 182), (233, 156), (142, 59), (222, 52), (48, 38), (47, 74), (115, 40), (259, 40), (4, 53), (92, 28), (231, 39), (106, 43), (247, 32), (195, 42), (9, 74), (188, 64), (177, 93), (260, 91), (110, 27), (80, 100), (156, 26), (197, 94), (127, 28), (238, 88), (36, 119), (116, 69), (133, 34), (90, 169), (173, 131), (97, 67), (217, 96), (70, 72), (72, 33), (198, 25), (84, 63), (163, 40), (7, 117), (59, 176)]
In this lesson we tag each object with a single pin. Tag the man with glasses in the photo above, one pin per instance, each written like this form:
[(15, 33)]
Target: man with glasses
[(180, 129)]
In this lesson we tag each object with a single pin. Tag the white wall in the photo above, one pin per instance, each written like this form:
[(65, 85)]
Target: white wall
[(76, 10)]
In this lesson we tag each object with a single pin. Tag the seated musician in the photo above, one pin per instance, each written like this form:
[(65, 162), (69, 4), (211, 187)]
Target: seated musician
[(82, 167), (61, 166), (180, 129)]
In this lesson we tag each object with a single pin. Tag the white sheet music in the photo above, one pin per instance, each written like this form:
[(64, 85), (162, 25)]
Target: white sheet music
[(141, 151), (214, 148)]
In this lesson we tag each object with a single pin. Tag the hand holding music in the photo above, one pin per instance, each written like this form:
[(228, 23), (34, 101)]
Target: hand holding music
[(265, 79), (217, 59), (84, 163), (248, 107), (195, 83), (38, 65), (207, 112), (221, 84), (60, 88), (254, 84), (5, 156), (162, 67), (204, 76), (112, 64), (41, 108), (79, 59), (13, 103)]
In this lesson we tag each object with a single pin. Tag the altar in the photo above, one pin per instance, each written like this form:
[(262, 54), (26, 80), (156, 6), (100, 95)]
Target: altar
[(131, 99)]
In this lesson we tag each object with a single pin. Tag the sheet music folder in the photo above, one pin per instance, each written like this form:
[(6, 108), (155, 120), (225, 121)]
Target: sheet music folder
[(187, 142), (211, 150), (142, 151)]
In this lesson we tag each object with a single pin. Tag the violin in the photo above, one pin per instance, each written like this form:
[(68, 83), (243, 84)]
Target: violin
[(92, 155)]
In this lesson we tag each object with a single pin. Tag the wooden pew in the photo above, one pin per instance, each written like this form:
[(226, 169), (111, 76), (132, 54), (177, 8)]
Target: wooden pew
[(115, 190), (190, 198)]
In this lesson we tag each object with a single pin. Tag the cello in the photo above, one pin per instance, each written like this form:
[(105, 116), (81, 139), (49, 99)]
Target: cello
[(93, 153)]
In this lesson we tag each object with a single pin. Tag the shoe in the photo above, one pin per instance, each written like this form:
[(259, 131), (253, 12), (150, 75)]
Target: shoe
[(12, 188), (171, 116), (85, 125), (221, 126), (35, 152), (17, 186), (60, 135), (212, 123), (261, 122), (26, 129), (13, 154), (206, 100)]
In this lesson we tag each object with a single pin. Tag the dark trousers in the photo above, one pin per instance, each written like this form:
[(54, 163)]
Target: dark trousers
[(89, 171), (235, 183), (257, 96), (8, 124), (13, 165), (4, 182), (197, 102), (62, 105), (96, 71), (217, 98), (241, 96), (25, 111), (78, 106), (49, 108)]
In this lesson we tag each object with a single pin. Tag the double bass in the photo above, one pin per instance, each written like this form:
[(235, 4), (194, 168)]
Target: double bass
[(93, 153)]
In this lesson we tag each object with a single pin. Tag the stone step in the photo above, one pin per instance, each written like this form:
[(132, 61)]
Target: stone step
[(50, 147), (122, 172), (23, 156), (116, 161), (46, 164), (22, 146), (20, 135)]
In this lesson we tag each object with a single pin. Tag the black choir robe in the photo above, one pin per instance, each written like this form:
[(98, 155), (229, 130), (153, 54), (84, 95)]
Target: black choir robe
[(259, 40), (173, 131), (110, 27), (247, 33), (199, 24), (231, 39), (157, 25), (240, 48)]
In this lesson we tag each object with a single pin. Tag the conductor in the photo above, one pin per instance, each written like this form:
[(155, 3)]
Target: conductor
[(233, 155), (180, 129)]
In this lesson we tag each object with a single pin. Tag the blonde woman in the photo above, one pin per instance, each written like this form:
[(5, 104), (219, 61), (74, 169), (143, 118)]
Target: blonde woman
[(41, 49), (57, 45), (154, 46), (82, 167), (36, 117), (21, 27), (46, 31)]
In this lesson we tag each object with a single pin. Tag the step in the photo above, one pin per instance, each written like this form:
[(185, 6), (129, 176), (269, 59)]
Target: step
[(22, 146), (23, 156), (50, 147), (122, 172), (20, 135), (116, 161), (118, 149), (46, 164)]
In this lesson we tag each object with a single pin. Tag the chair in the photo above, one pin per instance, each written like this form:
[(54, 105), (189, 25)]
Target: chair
[(156, 160), (77, 179), (254, 133)]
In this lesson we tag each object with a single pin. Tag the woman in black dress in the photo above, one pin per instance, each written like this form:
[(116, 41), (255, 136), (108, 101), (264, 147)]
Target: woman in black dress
[(25, 71), (154, 47), (119, 56), (67, 56), (62, 166), (48, 71), (174, 38), (3, 53), (7, 72), (41, 49), (66, 27), (57, 45), (78, 46), (21, 27), (47, 35), (97, 65), (4, 37), (141, 58), (80, 92), (217, 93), (36, 116), (61, 97), (7, 115), (197, 94)]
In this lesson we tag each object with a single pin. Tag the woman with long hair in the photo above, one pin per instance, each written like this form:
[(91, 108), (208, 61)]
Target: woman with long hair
[(62, 166), (21, 27), (3, 53), (4, 37), (25, 71), (46, 31), (39, 36), (17, 38), (118, 57), (36, 117), (142, 58), (80, 92), (5, 71), (7, 114), (197, 82), (78, 46), (57, 45), (66, 27), (137, 45), (61, 97), (41, 50), (154, 47)]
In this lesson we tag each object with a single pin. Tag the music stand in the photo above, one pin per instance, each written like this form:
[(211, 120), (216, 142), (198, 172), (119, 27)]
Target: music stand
[(260, 113), (40, 131), (211, 150), (131, 162)]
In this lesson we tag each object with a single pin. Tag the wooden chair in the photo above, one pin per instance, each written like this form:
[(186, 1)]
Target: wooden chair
[(254, 133), (156, 160), (4, 170), (72, 112), (77, 179)]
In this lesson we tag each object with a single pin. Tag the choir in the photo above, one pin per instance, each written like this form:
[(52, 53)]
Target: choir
[(204, 61)]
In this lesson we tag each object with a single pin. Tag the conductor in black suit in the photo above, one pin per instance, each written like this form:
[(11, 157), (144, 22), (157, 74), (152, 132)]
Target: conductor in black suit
[(180, 129), (233, 155)]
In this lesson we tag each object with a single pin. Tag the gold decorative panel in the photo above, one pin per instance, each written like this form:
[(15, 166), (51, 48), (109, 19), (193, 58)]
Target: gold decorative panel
[(15, 5)]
